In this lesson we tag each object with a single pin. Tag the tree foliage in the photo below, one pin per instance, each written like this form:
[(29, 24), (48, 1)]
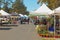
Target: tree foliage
[(19, 7), (5, 4), (5, 7), (1, 2), (16, 6), (52, 4)]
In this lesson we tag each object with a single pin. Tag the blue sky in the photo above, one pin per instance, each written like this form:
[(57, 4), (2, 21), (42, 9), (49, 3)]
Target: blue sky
[(31, 5)]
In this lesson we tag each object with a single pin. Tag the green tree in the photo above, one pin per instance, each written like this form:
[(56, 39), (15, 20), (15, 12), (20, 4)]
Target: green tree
[(58, 3), (1, 2), (52, 4), (6, 6), (19, 7), (27, 13)]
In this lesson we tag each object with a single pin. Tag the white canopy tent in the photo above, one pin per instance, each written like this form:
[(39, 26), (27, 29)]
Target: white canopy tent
[(26, 16), (21, 15), (43, 10), (57, 10), (3, 13)]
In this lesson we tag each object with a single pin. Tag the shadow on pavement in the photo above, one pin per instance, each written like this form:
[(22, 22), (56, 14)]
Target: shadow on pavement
[(5, 28), (9, 25)]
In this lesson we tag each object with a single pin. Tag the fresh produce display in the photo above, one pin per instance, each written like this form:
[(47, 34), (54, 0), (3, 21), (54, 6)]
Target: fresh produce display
[(47, 29)]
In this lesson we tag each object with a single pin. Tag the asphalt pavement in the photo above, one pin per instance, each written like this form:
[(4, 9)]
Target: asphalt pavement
[(20, 32)]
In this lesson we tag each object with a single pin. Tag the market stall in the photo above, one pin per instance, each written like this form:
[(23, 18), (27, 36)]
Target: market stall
[(4, 17), (50, 27), (46, 27), (41, 12), (24, 19), (57, 22), (14, 18)]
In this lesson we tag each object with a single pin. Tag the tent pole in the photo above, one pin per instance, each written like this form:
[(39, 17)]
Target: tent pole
[(54, 26)]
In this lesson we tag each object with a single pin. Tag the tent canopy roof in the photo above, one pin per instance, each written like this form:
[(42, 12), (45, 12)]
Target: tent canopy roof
[(43, 9), (25, 15), (21, 15), (57, 10), (2, 12)]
